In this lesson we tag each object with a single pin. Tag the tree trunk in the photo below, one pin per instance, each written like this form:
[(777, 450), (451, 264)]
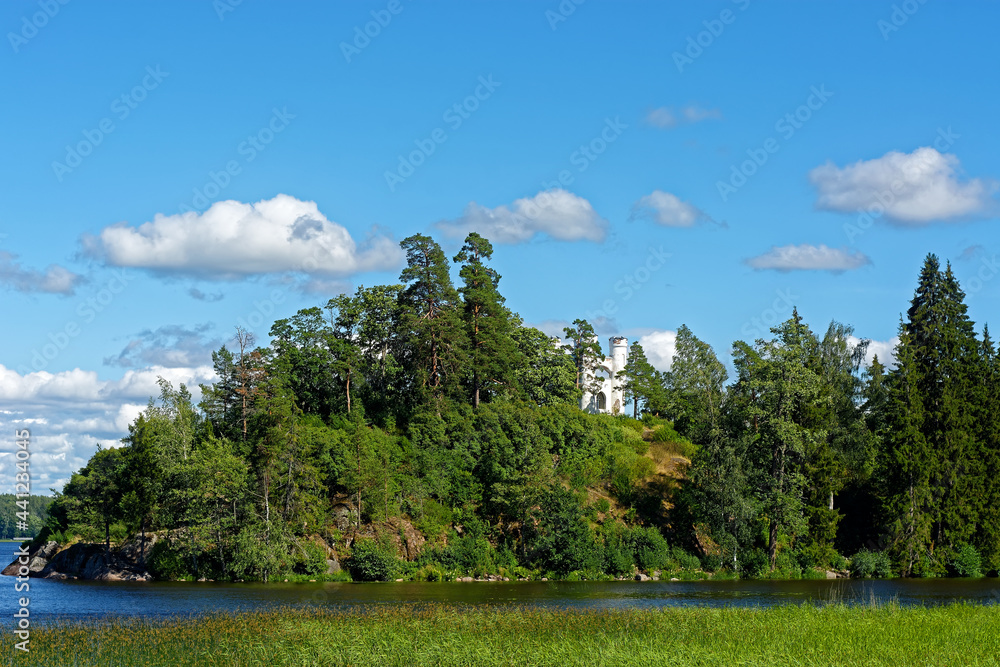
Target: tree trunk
[(772, 546)]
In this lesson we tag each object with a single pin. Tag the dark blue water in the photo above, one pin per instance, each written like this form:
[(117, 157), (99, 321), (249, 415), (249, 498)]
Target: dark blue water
[(91, 599)]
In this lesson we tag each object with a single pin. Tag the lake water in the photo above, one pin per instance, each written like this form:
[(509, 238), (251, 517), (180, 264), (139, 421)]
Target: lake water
[(91, 599)]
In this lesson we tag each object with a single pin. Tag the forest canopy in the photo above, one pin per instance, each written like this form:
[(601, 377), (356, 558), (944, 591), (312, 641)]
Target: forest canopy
[(426, 413)]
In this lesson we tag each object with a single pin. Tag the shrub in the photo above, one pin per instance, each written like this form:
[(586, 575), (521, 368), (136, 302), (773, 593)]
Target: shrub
[(371, 561), (966, 562), (753, 563), (602, 505), (310, 558), (711, 562), (684, 559), (618, 554), (166, 563), (871, 564), (786, 566), (434, 519), (651, 550)]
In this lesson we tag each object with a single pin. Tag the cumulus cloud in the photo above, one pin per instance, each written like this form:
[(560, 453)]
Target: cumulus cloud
[(908, 188), (170, 346), (659, 347), (233, 239), (82, 387), (54, 279), (557, 213), (669, 117), (885, 349), (70, 412), (807, 257), (666, 209)]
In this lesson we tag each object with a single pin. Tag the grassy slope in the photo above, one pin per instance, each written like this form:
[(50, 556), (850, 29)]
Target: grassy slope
[(830, 635)]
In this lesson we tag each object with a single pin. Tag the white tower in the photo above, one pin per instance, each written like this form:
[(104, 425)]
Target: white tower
[(610, 399)]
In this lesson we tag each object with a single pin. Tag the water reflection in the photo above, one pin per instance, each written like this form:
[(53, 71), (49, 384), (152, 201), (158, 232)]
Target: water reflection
[(89, 599)]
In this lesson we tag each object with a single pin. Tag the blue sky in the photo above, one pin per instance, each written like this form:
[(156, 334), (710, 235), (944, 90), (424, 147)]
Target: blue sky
[(175, 169)]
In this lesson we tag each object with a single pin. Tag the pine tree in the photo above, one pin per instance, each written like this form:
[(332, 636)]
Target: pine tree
[(432, 317), (586, 353), (493, 356)]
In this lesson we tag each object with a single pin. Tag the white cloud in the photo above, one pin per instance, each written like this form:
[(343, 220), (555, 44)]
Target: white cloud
[(911, 188), (54, 279), (659, 347), (668, 117), (885, 349), (233, 239), (666, 209), (807, 257), (70, 412), (559, 214)]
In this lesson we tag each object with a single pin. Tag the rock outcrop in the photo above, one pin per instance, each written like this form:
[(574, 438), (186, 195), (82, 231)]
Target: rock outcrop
[(88, 561)]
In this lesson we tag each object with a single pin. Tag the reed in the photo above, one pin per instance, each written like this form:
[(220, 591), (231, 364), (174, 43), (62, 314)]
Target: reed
[(831, 634)]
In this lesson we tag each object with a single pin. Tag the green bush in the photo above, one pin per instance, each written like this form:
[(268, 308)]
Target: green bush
[(684, 559), (786, 566), (434, 519), (711, 562), (371, 561), (871, 564), (753, 563), (651, 550), (618, 554), (310, 558), (166, 563), (966, 562), (602, 505)]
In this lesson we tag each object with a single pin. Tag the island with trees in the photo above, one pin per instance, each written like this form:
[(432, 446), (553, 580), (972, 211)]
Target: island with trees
[(421, 430)]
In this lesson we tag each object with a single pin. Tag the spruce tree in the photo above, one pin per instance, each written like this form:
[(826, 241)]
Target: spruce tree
[(936, 473), (639, 380)]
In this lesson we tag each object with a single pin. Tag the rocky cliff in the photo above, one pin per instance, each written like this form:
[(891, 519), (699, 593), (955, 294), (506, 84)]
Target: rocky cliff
[(87, 561)]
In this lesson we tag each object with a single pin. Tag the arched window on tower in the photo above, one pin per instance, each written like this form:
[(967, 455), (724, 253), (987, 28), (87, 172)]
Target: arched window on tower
[(602, 401)]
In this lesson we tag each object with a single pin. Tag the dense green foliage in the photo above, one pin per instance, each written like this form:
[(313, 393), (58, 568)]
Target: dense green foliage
[(438, 635), (421, 430)]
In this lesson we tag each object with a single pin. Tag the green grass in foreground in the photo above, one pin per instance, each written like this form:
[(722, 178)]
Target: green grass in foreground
[(442, 635)]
